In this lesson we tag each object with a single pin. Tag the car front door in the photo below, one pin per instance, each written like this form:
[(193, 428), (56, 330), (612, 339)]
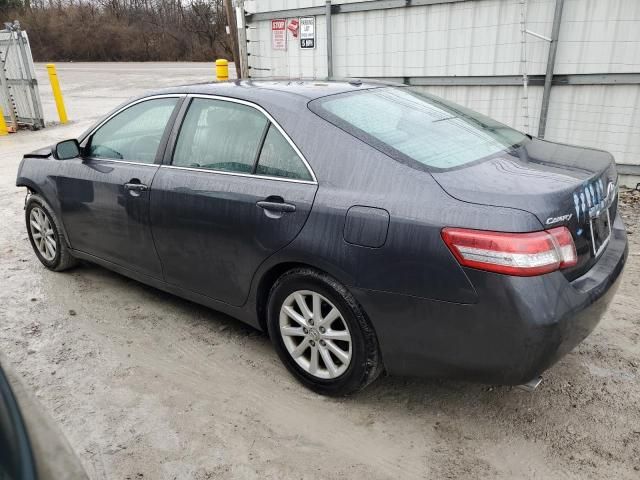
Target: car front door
[(236, 190), (104, 194)]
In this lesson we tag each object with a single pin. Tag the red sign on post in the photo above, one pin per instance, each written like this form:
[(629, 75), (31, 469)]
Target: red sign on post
[(279, 34)]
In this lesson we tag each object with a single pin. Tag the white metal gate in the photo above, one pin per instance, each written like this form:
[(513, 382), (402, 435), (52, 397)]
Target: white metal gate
[(19, 95)]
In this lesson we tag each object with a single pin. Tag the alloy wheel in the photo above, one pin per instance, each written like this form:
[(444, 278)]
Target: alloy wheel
[(315, 334), (42, 232)]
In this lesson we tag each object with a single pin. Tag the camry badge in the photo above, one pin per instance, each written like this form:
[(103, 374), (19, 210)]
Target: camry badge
[(562, 218)]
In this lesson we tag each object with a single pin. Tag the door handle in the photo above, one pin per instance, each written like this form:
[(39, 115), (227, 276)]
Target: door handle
[(276, 206), (136, 187)]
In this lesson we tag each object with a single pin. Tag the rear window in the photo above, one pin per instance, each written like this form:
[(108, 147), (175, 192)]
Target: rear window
[(423, 128)]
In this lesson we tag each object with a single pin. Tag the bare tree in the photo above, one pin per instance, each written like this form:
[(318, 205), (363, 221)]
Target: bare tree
[(122, 30)]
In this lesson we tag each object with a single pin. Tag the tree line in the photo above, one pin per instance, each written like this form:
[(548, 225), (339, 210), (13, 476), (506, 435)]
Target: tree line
[(121, 30)]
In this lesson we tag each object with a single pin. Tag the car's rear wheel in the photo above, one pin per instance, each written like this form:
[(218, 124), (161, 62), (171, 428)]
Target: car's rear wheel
[(46, 236), (321, 333)]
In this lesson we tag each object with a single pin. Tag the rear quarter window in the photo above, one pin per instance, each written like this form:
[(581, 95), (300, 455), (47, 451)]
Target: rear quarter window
[(279, 159)]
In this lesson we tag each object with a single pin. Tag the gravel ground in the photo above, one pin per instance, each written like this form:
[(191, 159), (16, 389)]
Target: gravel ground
[(146, 385)]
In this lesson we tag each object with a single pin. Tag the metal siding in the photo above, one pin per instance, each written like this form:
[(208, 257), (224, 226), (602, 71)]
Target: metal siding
[(291, 63), (468, 38), (482, 38), (599, 116), (599, 36)]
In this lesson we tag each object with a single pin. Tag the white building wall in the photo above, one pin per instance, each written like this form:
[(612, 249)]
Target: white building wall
[(482, 38)]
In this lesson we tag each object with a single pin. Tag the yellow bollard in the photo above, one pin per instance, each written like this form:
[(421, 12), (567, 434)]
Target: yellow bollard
[(57, 94), (3, 125), (222, 70)]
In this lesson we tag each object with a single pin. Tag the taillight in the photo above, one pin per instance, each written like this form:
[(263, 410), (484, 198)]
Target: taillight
[(522, 254)]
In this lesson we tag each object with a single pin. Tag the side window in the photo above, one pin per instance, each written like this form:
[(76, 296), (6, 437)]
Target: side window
[(135, 133), (219, 135), (279, 159)]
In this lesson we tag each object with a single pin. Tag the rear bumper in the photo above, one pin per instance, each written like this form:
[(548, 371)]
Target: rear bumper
[(519, 327)]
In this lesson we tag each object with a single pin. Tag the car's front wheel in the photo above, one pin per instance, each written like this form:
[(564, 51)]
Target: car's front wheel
[(321, 333), (46, 236)]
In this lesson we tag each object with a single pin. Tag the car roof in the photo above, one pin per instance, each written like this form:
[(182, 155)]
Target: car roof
[(269, 93), (307, 89)]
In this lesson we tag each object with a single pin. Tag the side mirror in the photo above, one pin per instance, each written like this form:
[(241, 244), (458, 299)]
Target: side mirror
[(67, 149)]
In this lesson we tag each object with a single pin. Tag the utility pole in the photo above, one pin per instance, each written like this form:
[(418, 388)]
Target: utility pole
[(242, 40), (233, 32)]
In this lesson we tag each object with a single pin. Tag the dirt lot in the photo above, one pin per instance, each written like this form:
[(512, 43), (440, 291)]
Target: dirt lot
[(146, 385)]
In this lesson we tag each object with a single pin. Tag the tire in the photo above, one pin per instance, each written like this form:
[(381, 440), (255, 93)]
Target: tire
[(351, 365), (56, 255)]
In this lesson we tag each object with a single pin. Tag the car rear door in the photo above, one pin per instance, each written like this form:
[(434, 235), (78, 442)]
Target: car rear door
[(104, 195), (234, 190)]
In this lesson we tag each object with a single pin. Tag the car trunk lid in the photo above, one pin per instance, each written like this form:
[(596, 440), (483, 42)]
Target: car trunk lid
[(559, 184)]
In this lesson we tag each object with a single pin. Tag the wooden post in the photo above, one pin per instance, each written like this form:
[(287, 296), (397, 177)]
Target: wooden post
[(242, 41)]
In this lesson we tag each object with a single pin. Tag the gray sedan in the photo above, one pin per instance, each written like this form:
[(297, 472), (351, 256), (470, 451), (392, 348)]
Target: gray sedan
[(367, 227)]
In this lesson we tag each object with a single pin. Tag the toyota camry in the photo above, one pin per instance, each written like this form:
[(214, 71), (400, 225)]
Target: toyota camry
[(367, 227)]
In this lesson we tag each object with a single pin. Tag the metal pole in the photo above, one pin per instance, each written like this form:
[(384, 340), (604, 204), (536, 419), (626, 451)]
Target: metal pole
[(329, 40), (523, 66), (551, 61)]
